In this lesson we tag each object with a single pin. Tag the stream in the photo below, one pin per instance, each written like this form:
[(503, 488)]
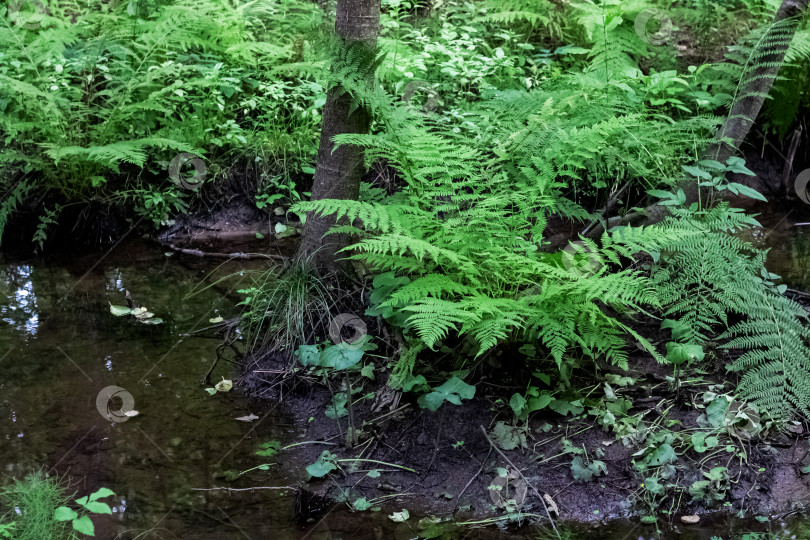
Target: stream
[(61, 348)]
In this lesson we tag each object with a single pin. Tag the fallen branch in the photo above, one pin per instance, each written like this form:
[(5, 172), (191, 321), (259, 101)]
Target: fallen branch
[(216, 255), (242, 489), (509, 461)]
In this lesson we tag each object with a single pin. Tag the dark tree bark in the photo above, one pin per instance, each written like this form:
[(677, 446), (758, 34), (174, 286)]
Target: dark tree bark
[(338, 172)]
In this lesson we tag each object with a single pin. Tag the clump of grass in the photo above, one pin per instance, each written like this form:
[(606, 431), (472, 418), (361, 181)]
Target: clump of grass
[(30, 503), (285, 310)]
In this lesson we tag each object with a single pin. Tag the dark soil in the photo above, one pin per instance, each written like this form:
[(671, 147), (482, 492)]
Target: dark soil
[(768, 484)]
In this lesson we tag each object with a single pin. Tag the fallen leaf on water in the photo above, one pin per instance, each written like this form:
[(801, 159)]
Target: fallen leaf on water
[(119, 310), (249, 418), (216, 320), (211, 391), (399, 517), (224, 385)]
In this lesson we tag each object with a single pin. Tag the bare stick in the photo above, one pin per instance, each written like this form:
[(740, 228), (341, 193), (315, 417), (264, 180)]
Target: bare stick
[(241, 489), (214, 255), (794, 144), (484, 464), (509, 461)]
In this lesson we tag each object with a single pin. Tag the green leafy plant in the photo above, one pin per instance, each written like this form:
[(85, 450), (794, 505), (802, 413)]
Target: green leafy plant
[(89, 504), (713, 488), (35, 497)]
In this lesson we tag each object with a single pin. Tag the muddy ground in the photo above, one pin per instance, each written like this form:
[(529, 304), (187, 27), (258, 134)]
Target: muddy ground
[(452, 479)]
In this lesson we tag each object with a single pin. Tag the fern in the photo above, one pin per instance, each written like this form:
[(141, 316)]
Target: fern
[(776, 341)]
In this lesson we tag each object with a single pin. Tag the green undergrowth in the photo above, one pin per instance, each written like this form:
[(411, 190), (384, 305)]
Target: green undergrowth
[(40, 507)]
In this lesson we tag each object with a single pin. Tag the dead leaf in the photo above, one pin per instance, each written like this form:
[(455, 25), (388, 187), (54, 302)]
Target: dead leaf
[(552, 506), (690, 519), (249, 418), (509, 486)]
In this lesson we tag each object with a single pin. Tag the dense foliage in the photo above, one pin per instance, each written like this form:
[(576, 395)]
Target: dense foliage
[(492, 121)]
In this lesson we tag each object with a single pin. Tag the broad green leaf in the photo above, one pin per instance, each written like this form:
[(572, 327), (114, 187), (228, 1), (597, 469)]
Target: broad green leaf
[(63, 513), (564, 407), (101, 493), (340, 356), (368, 371), (361, 504), (84, 525), (308, 355), (697, 172), (326, 463), (118, 311), (98, 507), (337, 407), (539, 402), (662, 455), (653, 486), (454, 390), (269, 449), (747, 191), (517, 403)]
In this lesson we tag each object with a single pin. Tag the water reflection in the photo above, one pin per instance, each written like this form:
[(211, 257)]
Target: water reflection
[(19, 305)]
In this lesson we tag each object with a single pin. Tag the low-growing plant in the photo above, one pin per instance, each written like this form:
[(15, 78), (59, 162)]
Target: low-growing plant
[(42, 509)]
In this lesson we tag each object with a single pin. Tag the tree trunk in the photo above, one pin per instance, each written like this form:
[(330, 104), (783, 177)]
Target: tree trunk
[(744, 111), (338, 172)]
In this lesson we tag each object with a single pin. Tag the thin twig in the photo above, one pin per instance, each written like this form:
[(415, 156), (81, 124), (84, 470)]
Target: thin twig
[(484, 464), (509, 461)]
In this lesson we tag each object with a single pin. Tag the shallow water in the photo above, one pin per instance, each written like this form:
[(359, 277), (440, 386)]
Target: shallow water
[(60, 347)]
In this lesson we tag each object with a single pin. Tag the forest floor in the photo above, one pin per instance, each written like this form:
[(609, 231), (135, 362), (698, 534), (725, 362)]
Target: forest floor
[(455, 464)]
